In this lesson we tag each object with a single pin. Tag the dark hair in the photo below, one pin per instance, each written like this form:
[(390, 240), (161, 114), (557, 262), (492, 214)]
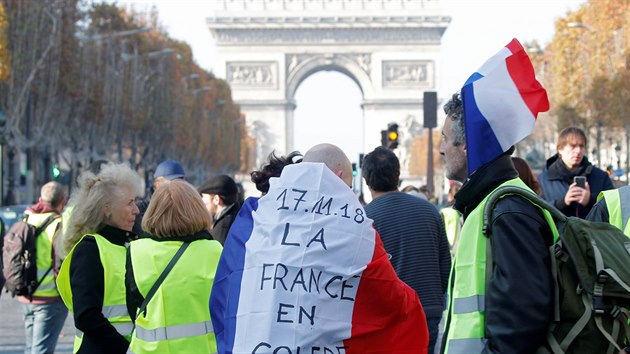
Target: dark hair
[(454, 109), (381, 170), (273, 168), (525, 173)]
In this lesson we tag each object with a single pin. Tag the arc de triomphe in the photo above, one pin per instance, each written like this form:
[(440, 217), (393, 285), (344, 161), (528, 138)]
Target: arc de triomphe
[(266, 48)]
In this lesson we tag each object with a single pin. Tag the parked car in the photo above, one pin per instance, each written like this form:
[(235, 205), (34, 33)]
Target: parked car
[(12, 213)]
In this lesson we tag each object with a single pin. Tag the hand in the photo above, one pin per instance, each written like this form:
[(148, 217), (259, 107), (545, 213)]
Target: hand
[(577, 194), (586, 194)]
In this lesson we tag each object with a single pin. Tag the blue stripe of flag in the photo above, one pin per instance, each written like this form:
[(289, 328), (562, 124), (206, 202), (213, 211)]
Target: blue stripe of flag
[(226, 290)]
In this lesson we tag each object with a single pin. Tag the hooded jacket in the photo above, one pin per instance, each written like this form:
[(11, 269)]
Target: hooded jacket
[(556, 178)]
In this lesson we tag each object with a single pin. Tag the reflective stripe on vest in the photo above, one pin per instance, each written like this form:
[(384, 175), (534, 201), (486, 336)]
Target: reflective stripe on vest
[(466, 345), (469, 304), (174, 332), (123, 329), (115, 311), (466, 308)]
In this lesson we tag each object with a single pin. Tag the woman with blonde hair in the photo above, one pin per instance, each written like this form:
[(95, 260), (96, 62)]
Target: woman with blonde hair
[(91, 278), (170, 274)]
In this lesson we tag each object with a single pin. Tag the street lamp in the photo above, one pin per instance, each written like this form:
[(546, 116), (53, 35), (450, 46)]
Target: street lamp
[(98, 37), (197, 90), (150, 55)]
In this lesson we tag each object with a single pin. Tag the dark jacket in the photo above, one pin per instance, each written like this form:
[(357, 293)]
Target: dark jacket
[(519, 296), (221, 225), (134, 297), (87, 286), (556, 178), (413, 234), (599, 212), (142, 204)]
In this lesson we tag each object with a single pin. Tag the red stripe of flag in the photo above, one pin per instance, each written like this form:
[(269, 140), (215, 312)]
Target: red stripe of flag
[(522, 73), (387, 316)]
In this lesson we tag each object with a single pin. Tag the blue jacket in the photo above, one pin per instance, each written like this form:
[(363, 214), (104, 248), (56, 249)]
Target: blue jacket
[(556, 178)]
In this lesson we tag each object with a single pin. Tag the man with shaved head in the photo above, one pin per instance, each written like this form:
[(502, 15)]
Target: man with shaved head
[(333, 158), (304, 271)]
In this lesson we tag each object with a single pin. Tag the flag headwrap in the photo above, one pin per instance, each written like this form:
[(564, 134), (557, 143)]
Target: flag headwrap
[(501, 101), (304, 271)]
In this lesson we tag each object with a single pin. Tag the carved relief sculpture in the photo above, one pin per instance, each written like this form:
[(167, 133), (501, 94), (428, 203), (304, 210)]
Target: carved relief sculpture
[(252, 74), (406, 73)]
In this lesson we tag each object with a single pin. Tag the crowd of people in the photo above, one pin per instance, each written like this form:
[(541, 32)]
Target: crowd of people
[(305, 267)]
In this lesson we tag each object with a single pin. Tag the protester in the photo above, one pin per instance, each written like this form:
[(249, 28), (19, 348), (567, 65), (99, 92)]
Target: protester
[(613, 206), (176, 318), (452, 218), (413, 234), (220, 194), (44, 312), (525, 174), (303, 270), (424, 189), (165, 172), (557, 178), (91, 279), (503, 303)]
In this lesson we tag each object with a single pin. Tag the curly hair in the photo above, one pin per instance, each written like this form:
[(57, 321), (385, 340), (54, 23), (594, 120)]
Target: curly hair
[(273, 168), (454, 109), (94, 192)]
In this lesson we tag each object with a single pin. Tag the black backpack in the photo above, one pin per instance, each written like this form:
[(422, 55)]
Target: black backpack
[(590, 265), (19, 263)]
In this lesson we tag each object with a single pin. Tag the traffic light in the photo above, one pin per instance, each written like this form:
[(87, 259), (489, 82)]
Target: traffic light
[(392, 136), (354, 169), (56, 172)]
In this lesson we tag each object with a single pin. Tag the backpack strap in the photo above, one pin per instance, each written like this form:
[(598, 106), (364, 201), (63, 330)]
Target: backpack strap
[(558, 218), (158, 282)]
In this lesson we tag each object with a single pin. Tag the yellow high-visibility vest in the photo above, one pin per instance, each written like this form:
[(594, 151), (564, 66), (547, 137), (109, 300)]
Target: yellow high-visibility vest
[(177, 318), (44, 255), (618, 205), (113, 259), (466, 312)]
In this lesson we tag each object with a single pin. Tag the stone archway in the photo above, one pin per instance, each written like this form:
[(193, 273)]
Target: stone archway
[(266, 48)]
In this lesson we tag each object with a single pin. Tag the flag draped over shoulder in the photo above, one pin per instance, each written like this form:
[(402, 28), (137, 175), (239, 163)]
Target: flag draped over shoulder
[(304, 271), (501, 102)]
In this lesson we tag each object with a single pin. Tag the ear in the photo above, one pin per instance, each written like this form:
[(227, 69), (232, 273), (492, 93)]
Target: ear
[(216, 199), (107, 209)]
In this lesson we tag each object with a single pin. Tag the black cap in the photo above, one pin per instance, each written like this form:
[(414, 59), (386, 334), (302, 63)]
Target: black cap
[(222, 185)]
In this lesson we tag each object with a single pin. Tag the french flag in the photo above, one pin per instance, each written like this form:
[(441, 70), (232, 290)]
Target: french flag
[(303, 271), (501, 100)]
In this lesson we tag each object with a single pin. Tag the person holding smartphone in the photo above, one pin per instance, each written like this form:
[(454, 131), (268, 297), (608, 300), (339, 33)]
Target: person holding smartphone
[(569, 180)]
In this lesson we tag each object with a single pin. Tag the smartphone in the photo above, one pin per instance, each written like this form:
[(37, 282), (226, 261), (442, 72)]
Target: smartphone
[(580, 181)]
